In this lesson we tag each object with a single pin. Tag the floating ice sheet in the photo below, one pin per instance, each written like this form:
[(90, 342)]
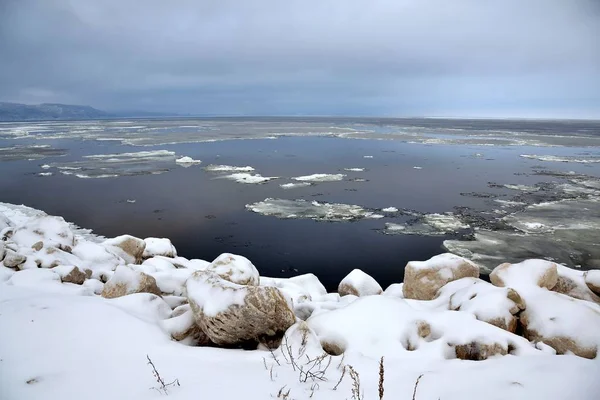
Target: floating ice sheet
[(295, 185), (566, 159), (354, 169), (427, 225), (303, 209), (243, 177), (227, 168), (320, 178), (120, 164), (187, 161), (36, 152)]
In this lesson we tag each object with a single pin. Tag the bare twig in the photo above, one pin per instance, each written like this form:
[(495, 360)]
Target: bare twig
[(416, 385), (163, 386), (381, 378), (274, 356), (356, 391), (341, 377)]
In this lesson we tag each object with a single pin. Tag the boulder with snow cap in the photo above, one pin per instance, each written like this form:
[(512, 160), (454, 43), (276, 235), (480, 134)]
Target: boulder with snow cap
[(183, 328), (52, 231), (13, 259), (236, 269), (540, 273), (572, 283), (592, 280), (70, 274), (237, 315), (488, 303), (423, 279), (127, 281), (359, 284), (159, 247), (129, 248)]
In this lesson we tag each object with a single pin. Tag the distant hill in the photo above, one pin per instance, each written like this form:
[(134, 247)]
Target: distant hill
[(49, 111)]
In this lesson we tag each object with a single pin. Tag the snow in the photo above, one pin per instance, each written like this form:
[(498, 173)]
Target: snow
[(53, 231), (187, 161), (249, 178), (213, 294), (159, 247), (235, 268), (525, 274), (291, 209), (320, 178), (227, 168)]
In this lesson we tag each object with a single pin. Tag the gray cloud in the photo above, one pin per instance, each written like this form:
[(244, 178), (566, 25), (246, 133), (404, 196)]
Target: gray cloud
[(396, 57)]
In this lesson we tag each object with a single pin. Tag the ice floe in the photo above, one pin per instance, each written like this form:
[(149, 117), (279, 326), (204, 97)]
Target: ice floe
[(390, 209), (227, 168), (565, 159), (295, 185), (31, 152), (303, 209), (320, 178), (354, 169), (243, 177), (187, 161), (427, 225)]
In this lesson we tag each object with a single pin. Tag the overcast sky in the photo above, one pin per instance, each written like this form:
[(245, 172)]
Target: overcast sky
[(523, 58)]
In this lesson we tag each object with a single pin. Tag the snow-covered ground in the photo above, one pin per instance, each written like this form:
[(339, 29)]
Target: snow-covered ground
[(81, 317)]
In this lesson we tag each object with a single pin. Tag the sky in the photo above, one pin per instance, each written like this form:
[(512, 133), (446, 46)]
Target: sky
[(477, 58)]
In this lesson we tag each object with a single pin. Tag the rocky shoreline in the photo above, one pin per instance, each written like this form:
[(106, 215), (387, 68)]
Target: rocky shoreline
[(441, 311)]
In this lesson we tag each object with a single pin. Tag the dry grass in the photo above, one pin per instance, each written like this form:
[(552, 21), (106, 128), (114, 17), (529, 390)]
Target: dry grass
[(162, 386), (381, 378)]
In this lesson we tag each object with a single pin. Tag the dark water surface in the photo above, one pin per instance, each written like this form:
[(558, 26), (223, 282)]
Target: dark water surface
[(205, 215)]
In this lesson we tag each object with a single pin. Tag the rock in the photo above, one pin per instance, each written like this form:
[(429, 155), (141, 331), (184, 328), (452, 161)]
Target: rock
[(476, 351), (235, 315), (129, 248), (358, 283), (310, 283), (572, 283), (183, 328), (53, 231), (592, 280), (2, 249), (540, 273), (94, 285), (394, 290), (159, 247), (127, 281), (236, 269), (488, 303), (37, 246), (423, 279), (564, 323), (70, 274), (12, 259)]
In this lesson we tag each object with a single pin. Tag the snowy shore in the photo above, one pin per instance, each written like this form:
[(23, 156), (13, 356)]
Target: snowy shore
[(80, 314)]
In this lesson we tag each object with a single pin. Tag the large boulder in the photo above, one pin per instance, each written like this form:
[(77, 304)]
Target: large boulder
[(592, 280), (359, 284), (159, 247), (423, 279), (564, 323), (572, 283), (182, 327), (236, 269), (488, 303), (129, 248), (127, 281), (237, 315), (540, 273)]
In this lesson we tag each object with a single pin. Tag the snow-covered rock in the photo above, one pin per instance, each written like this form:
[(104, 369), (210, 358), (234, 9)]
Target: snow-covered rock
[(394, 290), (52, 231), (423, 279), (12, 259), (95, 256), (592, 280), (127, 281), (159, 247), (234, 315), (358, 283), (234, 268), (70, 274), (566, 324), (540, 273), (310, 283), (129, 248), (2, 249), (182, 327), (572, 283), (488, 303)]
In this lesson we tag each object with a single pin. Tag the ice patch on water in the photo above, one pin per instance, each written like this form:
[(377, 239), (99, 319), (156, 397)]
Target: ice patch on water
[(243, 177), (354, 169), (35, 152), (427, 225), (295, 185), (186, 161), (389, 209), (417, 167), (120, 164), (565, 159), (45, 174), (45, 166), (524, 188), (509, 203), (367, 156), (320, 178), (303, 209), (227, 168)]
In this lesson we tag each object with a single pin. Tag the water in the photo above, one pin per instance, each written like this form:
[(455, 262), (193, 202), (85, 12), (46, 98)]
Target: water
[(461, 169)]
